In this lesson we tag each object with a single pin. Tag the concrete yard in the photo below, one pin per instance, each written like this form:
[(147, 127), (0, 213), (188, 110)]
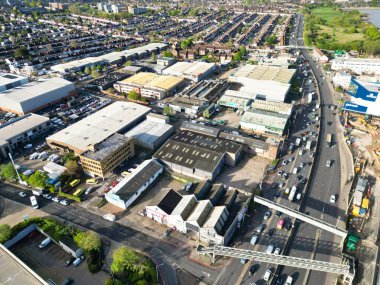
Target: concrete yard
[(230, 117), (246, 175)]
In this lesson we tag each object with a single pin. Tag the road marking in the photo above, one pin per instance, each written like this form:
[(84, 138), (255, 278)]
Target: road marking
[(222, 272)]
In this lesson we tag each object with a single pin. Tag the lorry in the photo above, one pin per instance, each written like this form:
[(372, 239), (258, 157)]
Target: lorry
[(298, 141), (292, 193), (308, 145), (309, 98), (33, 200)]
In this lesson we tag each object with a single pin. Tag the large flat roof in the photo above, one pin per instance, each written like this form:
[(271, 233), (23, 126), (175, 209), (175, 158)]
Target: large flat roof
[(35, 89), (264, 118), (14, 271), (100, 125), (21, 125), (149, 131), (152, 80), (259, 72), (9, 78), (195, 68)]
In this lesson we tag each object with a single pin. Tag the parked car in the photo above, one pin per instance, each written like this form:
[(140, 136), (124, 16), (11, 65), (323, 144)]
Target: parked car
[(260, 228), (56, 199), (67, 281), (47, 196), (78, 261), (45, 243), (277, 251), (69, 261), (64, 202), (267, 275), (254, 239), (271, 232), (22, 194), (332, 199), (267, 215)]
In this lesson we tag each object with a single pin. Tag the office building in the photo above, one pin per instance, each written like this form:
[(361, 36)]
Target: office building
[(35, 96), (128, 190), (150, 85), (342, 79), (14, 135), (104, 157), (118, 117)]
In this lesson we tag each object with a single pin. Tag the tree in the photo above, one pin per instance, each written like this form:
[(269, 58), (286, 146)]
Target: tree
[(243, 49), (95, 74), (167, 53), (128, 63), (72, 167), (88, 240), (167, 110), (87, 70), (133, 95), (68, 156), (126, 259), (271, 40), (154, 57), (38, 179), (237, 56), (73, 44), (8, 172), (21, 52), (32, 3), (39, 3), (5, 233)]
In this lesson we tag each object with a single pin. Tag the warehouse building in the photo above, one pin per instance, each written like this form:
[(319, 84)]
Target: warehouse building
[(118, 117), (265, 82), (127, 191), (271, 106), (152, 132), (190, 106), (198, 155), (21, 131), (35, 96), (207, 90), (194, 71), (9, 81), (357, 65), (104, 157), (181, 212), (236, 99), (150, 85), (365, 98), (264, 122)]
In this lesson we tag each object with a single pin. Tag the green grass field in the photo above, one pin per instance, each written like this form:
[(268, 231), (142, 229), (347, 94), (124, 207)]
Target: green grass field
[(326, 13), (340, 35)]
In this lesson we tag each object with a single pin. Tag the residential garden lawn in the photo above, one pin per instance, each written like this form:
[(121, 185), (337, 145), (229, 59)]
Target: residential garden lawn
[(326, 13)]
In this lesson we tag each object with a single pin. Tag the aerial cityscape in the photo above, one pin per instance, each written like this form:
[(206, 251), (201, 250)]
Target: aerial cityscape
[(190, 142)]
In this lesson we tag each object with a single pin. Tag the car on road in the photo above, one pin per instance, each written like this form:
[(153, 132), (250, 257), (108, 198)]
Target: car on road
[(252, 270), (270, 248), (64, 202), (267, 275), (254, 239), (277, 251), (267, 215), (22, 194), (285, 176), (271, 232), (56, 199), (285, 162), (47, 196), (281, 172), (260, 228), (291, 158), (243, 261), (328, 163), (302, 164), (332, 199)]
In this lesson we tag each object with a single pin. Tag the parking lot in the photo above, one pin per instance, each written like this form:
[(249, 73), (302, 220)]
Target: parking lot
[(230, 117), (49, 262)]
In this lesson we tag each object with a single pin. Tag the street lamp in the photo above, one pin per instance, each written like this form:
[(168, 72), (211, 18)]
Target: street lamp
[(157, 269)]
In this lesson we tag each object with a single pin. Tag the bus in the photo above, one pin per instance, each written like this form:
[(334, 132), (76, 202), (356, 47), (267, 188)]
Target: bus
[(328, 140), (79, 192), (74, 183)]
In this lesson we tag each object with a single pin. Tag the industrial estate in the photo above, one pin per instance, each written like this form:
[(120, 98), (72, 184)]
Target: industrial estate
[(184, 142)]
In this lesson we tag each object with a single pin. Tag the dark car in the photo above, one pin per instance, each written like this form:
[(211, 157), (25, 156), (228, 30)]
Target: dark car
[(278, 213), (277, 195), (69, 261), (271, 232), (303, 181), (288, 226), (67, 281), (279, 281), (252, 270)]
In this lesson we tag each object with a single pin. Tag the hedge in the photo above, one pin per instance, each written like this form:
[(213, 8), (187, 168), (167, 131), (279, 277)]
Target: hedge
[(69, 196)]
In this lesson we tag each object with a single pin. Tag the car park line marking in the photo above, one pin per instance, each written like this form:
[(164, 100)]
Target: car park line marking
[(222, 272)]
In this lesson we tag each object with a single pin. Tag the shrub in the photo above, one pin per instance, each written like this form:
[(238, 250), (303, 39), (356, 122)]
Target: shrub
[(69, 196)]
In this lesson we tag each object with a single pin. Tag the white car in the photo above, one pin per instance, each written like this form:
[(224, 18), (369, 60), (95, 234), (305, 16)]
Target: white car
[(328, 163), (28, 146), (254, 239), (64, 202), (332, 199), (277, 251), (22, 194), (47, 196), (56, 199)]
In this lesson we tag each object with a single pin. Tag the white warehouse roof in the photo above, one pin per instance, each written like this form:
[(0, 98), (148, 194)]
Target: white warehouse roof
[(99, 126), (9, 81), (188, 68)]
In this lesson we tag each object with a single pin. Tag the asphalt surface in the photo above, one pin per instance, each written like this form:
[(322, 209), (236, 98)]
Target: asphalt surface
[(324, 183), (169, 254)]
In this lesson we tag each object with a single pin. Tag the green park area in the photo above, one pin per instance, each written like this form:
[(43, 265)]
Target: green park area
[(331, 28)]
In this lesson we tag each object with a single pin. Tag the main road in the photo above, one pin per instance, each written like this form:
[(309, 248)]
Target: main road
[(325, 181)]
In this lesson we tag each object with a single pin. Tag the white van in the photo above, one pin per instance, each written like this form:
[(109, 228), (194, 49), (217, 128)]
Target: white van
[(295, 170), (270, 249), (34, 155), (45, 243), (289, 280), (267, 275)]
